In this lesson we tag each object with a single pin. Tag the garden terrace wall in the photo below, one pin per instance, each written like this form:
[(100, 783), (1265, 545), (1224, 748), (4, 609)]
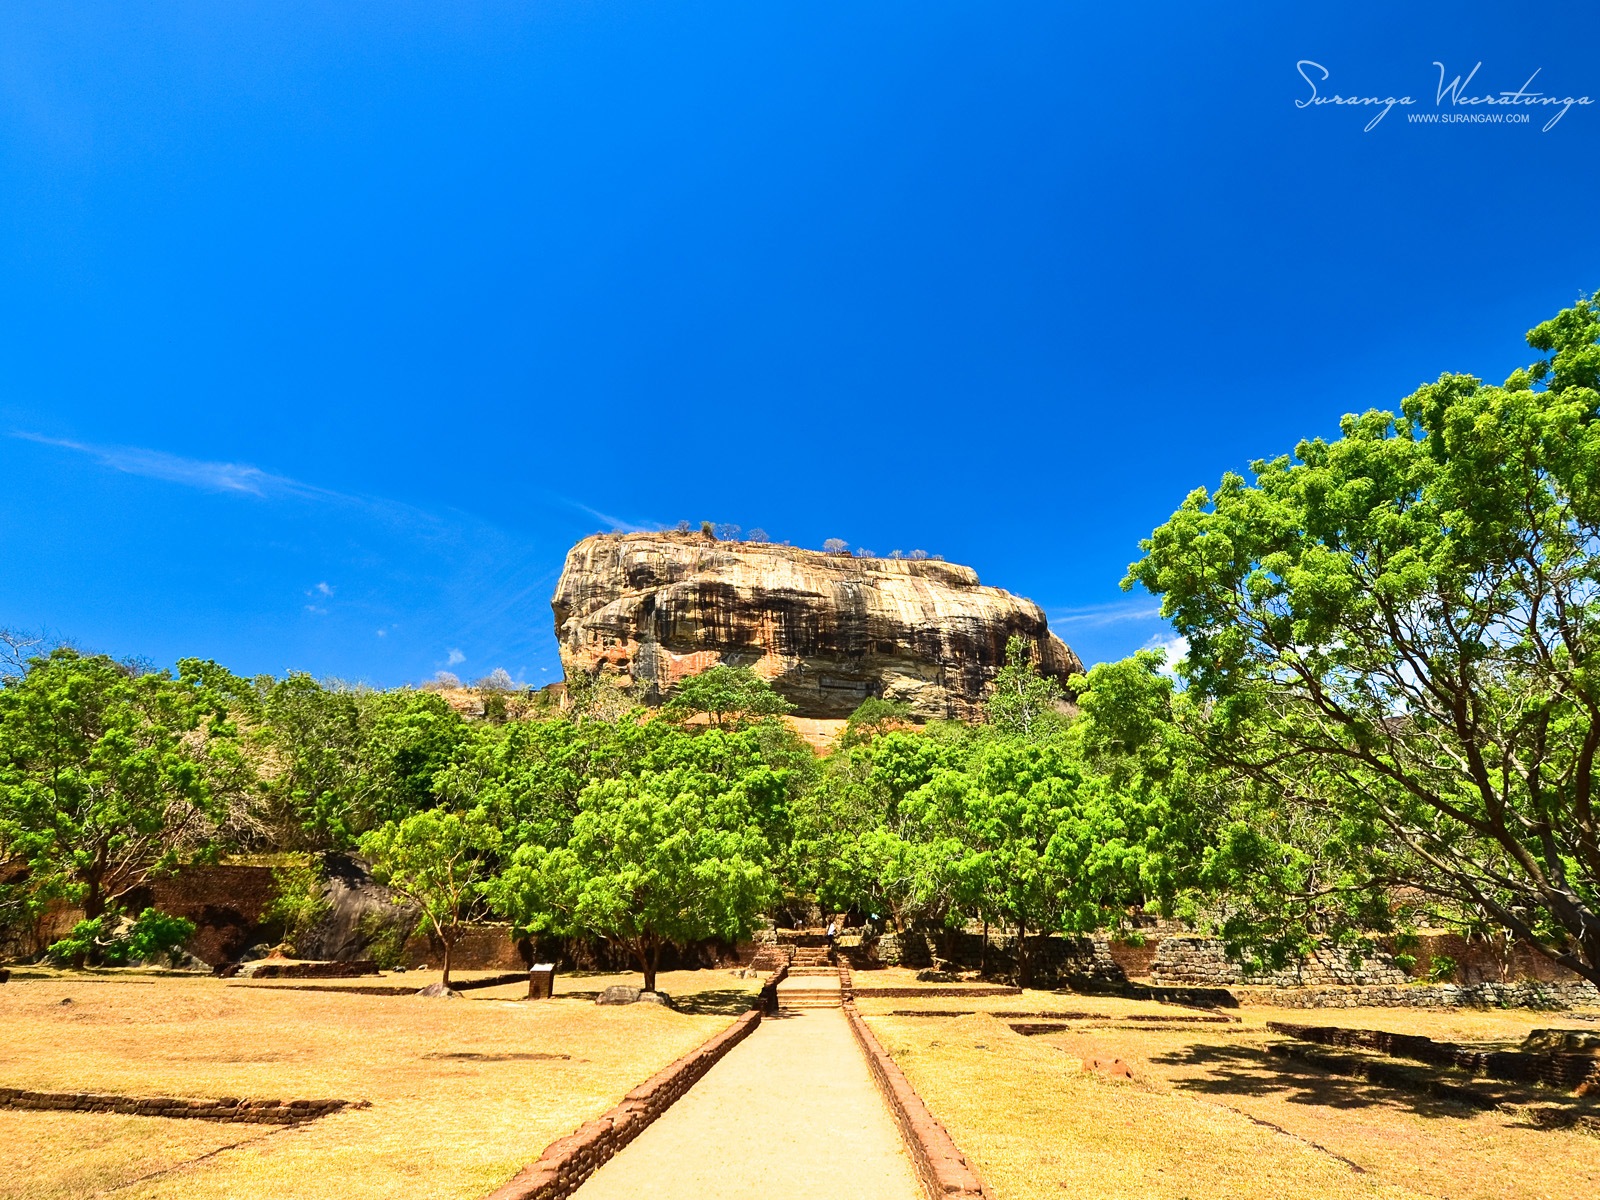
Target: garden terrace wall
[(226, 902), (310, 970), (1565, 1071), (256, 1112), (566, 1163), (1478, 961), (1204, 962), (941, 1167), (1181, 958), (1550, 996)]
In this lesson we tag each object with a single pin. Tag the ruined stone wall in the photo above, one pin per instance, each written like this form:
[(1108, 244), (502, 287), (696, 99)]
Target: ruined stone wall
[(1550, 996), (1203, 962)]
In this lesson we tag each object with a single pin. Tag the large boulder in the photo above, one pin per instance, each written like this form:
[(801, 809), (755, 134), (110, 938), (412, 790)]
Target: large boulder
[(828, 630), (360, 912)]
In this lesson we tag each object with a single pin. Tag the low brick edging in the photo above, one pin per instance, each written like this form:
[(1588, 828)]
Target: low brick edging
[(937, 989), (301, 970), (1563, 1071), (941, 1167), (568, 1161), (257, 1112)]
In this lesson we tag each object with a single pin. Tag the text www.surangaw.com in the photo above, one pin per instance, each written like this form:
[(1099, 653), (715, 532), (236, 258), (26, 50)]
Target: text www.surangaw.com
[(1468, 118), (1504, 107)]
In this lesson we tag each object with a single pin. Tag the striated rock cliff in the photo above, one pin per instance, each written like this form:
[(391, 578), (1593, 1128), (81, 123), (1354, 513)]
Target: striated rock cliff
[(827, 630)]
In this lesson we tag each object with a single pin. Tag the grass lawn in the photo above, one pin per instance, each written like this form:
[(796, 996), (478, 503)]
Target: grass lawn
[(1209, 1115), (463, 1092)]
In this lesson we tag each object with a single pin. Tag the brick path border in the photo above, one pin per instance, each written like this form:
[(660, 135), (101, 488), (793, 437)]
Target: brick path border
[(937, 990), (941, 1167), (256, 1112), (567, 1162)]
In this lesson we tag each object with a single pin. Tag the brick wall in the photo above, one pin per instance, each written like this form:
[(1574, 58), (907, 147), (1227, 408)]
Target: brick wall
[(1478, 961)]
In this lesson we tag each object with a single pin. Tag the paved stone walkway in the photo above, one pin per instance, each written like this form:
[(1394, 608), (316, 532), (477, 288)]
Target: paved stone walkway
[(791, 1111)]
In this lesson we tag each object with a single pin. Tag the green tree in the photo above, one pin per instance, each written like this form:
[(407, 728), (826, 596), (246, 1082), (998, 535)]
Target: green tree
[(347, 759), (1023, 703), (663, 857), (299, 899), (728, 695), (1397, 629), (1029, 838), (114, 941), (856, 846), (101, 778), (874, 716), (440, 861)]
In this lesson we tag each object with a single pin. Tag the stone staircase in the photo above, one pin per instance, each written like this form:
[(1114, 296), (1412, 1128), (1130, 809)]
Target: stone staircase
[(813, 980)]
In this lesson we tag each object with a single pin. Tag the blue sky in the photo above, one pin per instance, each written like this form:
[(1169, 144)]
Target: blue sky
[(324, 330)]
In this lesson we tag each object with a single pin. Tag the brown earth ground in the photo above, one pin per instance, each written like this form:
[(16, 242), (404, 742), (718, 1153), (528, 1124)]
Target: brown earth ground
[(463, 1092), (1209, 1115)]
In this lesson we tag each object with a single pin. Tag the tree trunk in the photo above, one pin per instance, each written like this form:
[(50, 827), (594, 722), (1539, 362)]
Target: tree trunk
[(94, 905), (449, 945), (1024, 964), (983, 951), (649, 959)]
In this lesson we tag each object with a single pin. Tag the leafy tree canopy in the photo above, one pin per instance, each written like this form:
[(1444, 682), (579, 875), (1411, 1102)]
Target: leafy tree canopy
[(438, 860), (103, 776), (1395, 629), (728, 695), (666, 856), (1023, 703)]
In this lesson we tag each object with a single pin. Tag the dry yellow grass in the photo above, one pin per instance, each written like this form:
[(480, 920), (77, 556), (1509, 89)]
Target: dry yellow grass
[(439, 1125), (47, 1155), (1209, 1114)]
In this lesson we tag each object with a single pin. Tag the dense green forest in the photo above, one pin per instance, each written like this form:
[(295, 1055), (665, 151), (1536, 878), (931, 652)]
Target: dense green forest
[(1386, 718)]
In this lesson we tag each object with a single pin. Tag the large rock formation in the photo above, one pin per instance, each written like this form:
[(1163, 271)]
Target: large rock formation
[(827, 630)]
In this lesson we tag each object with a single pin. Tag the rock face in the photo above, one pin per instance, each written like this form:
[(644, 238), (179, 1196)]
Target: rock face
[(827, 630)]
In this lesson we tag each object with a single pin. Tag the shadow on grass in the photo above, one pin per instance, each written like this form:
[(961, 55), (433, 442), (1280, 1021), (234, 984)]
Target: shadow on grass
[(728, 1002), (725, 1002), (1233, 1070)]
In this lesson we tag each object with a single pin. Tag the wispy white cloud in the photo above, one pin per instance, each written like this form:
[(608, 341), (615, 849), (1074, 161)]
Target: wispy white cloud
[(1176, 649), (1097, 615), (455, 658), (323, 589), (618, 524), (237, 478)]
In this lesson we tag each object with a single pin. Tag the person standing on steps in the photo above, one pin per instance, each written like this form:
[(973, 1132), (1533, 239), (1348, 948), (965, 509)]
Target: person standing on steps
[(833, 932)]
